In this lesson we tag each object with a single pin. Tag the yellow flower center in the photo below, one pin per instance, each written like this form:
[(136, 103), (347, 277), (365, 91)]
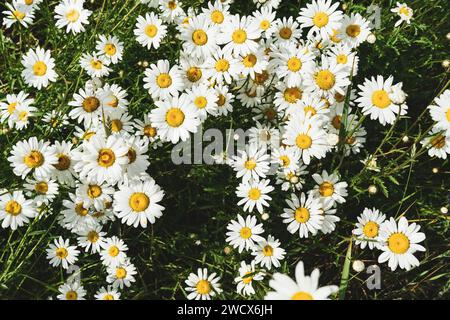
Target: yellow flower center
[(13, 208), (93, 236), (404, 11), (398, 243), (113, 251), (294, 64), (267, 251), (380, 99), (245, 233), (325, 79), (174, 117), (172, 5), (285, 160), (254, 194), (41, 187), (110, 49), (239, 36), (149, 131), (106, 158), (438, 142), (336, 122), (302, 296), (203, 287), (264, 24), (131, 155), (72, 15), (108, 297), (301, 215), (71, 295), (249, 61), (12, 107), (151, 30), (164, 80), (292, 95), (247, 279), (94, 191), (221, 100), (447, 115), (370, 229), (96, 64), (28, 2), (335, 36), (310, 109), (80, 209), (90, 104), (61, 253), (217, 17), (326, 189), (63, 162), (116, 125), (250, 164), (19, 15), (121, 273), (303, 141), (194, 74), (222, 65), (139, 201), (341, 58), (34, 159), (200, 102), (320, 19), (39, 68), (199, 37), (285, 33), (353, 30)]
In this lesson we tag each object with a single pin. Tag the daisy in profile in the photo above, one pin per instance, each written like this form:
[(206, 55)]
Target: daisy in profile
[(108, 293), (204, 99), (39, 68), (329, 187), (399, 243), (404, 12), (137, 155), (170, 10), (440, 111), (92, 239), (202, 286), (113, 99), (113, 252), (312, 106), (95, 65), (86, 107), (71, 15), (321, 17), (15, 210), (239, 35), (286, 31), (18, 12), (329, 216), (199, 37), (223, 67), (111, 47), (243, 234), (162, 81), (224, 99), (254, 194), (44, 190), (63, 171), (137, 203), (303, 288), (175, 118), (375, 99), (268, 252), (60, 252), (246, 278), (252, 163), (438, 143), (32, 155), (145, 129), (303, 215), (71, 291), (368, 227), (121, 275), (9, 108), (150, 30), (102, 159), (354, 30)]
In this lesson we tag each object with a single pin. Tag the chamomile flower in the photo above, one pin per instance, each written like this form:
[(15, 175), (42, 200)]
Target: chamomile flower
[(94, 194), (113, 252), (252, 163), (18, 12), (44, 190), (223, 67), (145, 129), (162, 81), (286, 31), (39, 68), (92, 239), (95, 65), (200, 37), (60, 252), (137, 155), (137, 203), (9, 109), (204, 100), (239, 35), (86, 107), (15, 210), (303, 215), (354, 30), (121, 275), (224, 99), (329, 216), (120, 124), (64, 171), (399, 243), (288, 98), (247, 275), (438, 143), (254, 194), (252, 63), (150, 30), (288, 158), (113, 99), (404, 12), (303, 288), (175, 118), (264, 135), (108, 293), (71, 291), (202, 286), (321, 17), (75, 215), (170, 10), (217, 13), (243, 234), (440, 111), (268, 252), (55, 119), (71, 15), (270, 4), (329, 187), (111, 47), (311, 106), (265, 19), (368, 228), (193, 71), (32, 155), (344, 55)]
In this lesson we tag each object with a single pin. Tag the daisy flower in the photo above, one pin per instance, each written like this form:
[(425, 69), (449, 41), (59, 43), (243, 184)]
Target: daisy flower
[(344, 55), (367, 228), (111, 47), (303, 215), (137, 202), (60, 252), (247, 275), (199, 37), (400, 242), (18, 12), (312, 106), (268, 252), (286, 31), (375, 100), (288, 97), (239, 35), (71, 291), (71, 15), (75, 214), (438, 143), (288, 158), (55, 119), (175, 118), (404, 12), (162, 81), (204, 99), (150, 30), (265, 19), (121, 275), (9, 108), (45, 190), (137, 155), (95, 65), (243, 234), (113, 99), (64, 171), (303, 288), (15, 210), (252, 63), (121, 124), (254, 194), (329, 213), (145, 129), (108, 293), (91, 239), (252, 163), (193, 70), (86, 107), (217, 13), (201, 286), (224, 99), (264, 135), (223, 67), (329, 187), (39, 68), (440, 111), (113, 252), (322, 17), (33, 155), (170, 10), (354, 30), (94, 194)]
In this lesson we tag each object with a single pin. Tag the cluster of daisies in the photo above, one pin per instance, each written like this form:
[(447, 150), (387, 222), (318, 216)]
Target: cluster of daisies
[(293, 73)]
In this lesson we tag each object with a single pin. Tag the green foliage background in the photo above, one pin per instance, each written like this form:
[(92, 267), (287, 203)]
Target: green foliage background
[(200, 199)]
